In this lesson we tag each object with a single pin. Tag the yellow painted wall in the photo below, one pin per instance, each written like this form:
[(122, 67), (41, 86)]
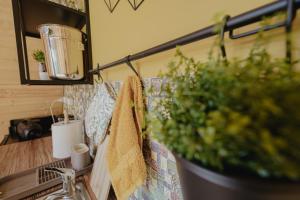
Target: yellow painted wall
[(16, 100), (126, 31)]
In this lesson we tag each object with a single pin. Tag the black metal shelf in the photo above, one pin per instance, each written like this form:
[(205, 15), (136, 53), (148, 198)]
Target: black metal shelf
[(36, 12), (55, 82), (68, 9), (29, 14)]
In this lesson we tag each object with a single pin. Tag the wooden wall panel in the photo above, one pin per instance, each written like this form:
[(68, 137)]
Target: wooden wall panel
[(16, 100)]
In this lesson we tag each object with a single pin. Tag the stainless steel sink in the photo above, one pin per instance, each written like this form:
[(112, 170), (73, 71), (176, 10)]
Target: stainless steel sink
[(71, 190), (37, 183), (80, 194)]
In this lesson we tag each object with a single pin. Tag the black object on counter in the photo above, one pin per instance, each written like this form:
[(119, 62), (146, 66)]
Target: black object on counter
[(28, 129), (31, 128)]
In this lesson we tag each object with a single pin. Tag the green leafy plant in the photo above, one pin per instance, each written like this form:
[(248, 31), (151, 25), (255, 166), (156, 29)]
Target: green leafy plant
[(39, 56), (239, 115)]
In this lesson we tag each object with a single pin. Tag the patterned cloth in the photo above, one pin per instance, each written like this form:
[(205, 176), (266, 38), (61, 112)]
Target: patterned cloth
[(99, 113), (81, 96), (162, 182)]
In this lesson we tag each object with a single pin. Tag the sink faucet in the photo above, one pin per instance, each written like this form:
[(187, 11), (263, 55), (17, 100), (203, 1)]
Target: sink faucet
[(69, 191)]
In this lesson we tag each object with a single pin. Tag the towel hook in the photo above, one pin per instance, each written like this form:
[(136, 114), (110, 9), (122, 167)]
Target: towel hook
[(100, 79), (131, 66), (134, 70), (222, 33), (287, 23)]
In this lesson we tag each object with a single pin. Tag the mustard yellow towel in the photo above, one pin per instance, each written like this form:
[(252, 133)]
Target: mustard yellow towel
[(124, 156)]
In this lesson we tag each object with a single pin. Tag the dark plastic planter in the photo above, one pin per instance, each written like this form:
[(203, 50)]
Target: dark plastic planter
[(202, 184)]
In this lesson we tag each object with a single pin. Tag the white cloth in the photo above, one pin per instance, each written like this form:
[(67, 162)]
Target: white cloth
[(99, 113), (100, 179)]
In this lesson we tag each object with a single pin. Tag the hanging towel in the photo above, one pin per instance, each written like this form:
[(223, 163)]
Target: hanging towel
[(124, 156), (99, 113)]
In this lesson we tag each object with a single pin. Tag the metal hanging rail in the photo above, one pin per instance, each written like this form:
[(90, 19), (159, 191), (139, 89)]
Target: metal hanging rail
[(238, 21)]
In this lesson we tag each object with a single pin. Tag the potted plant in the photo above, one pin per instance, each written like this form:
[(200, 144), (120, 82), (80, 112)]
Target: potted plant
[(39, 56), (234, 126)]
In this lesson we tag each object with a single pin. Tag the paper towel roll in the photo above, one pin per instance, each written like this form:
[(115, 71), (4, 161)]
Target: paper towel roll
[(65, 136)]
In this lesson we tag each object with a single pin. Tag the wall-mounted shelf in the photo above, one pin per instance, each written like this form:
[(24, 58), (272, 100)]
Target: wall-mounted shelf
[(29, 14), (36, 12), (55, 82)]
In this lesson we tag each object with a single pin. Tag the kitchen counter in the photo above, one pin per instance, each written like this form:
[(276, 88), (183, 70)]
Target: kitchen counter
[(26, 155)]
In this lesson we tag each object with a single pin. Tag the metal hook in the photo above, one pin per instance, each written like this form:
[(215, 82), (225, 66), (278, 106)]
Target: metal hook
[(134, 70), (222, 33), (131, 66), (287, 23), (99, 74)]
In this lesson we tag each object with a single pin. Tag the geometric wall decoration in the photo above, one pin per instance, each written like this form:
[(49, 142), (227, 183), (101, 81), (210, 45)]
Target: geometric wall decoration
[(111, 4), (135, 4)]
